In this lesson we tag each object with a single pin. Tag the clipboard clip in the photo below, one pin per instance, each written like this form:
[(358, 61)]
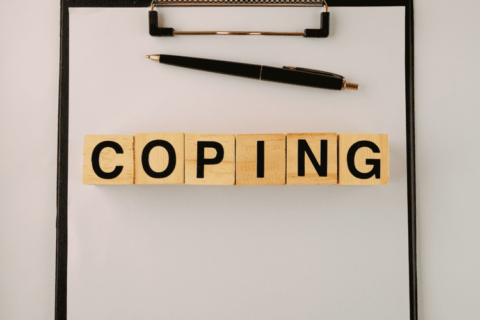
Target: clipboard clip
[(156, 31)]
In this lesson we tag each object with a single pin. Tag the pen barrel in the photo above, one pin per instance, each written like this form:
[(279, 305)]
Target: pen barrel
[(301, 78), (224, 67)]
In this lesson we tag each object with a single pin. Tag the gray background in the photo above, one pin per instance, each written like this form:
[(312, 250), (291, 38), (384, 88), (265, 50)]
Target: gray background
[(446, 73)]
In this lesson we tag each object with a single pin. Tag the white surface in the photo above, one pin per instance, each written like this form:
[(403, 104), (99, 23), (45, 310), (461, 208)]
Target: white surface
[(197, 252), (446, 52)]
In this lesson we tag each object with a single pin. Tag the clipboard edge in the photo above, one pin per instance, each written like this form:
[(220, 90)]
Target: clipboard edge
[(61, 257)]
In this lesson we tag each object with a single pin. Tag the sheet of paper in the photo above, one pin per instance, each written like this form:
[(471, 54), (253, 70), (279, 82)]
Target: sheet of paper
[(211, 252)]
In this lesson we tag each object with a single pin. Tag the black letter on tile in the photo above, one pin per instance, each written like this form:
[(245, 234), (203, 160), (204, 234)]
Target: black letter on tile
[(304, 148), (172, 159), (201, 161), (260, 159), (375, 162), (96, 160)]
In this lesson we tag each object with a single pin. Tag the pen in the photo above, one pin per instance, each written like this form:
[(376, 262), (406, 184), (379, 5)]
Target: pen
[(290, 75)]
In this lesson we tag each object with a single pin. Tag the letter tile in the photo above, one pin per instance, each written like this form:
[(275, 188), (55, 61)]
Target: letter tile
[(363, 159), (160, 158), (260, 159), (210, 159), (311, 158), (108, 159)]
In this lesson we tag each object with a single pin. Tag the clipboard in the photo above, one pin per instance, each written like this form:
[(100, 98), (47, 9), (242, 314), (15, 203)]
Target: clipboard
[(63, 141)]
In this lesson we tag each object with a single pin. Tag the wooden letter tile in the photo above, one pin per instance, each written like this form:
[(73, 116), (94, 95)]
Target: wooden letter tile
[(108, 159), (312, 158), (159, 158), (363, 159), (210, 159), (260, 159)]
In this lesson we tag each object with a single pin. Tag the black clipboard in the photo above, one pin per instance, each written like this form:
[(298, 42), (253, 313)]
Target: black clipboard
[(63, 135)]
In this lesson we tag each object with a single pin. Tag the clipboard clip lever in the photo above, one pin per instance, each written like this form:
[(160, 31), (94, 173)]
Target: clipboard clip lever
[(157, 31)]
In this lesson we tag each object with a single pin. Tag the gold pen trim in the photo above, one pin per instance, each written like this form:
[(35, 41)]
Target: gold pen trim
[(349, 86)]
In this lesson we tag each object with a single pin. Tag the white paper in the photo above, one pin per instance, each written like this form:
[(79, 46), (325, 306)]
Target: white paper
[(214, 252)]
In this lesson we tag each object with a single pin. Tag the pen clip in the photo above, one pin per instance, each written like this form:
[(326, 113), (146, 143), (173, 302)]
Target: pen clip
[(325, 73)]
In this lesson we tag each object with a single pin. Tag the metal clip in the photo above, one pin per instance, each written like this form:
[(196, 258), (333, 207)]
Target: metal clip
[(157, 31), (325, 73), (346, 85)]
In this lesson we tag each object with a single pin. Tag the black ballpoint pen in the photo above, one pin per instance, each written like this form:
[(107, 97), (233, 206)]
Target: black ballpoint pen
[(290, 75)]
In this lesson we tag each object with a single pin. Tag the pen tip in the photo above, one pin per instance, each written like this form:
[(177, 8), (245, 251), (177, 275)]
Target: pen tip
[(154, 57)]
